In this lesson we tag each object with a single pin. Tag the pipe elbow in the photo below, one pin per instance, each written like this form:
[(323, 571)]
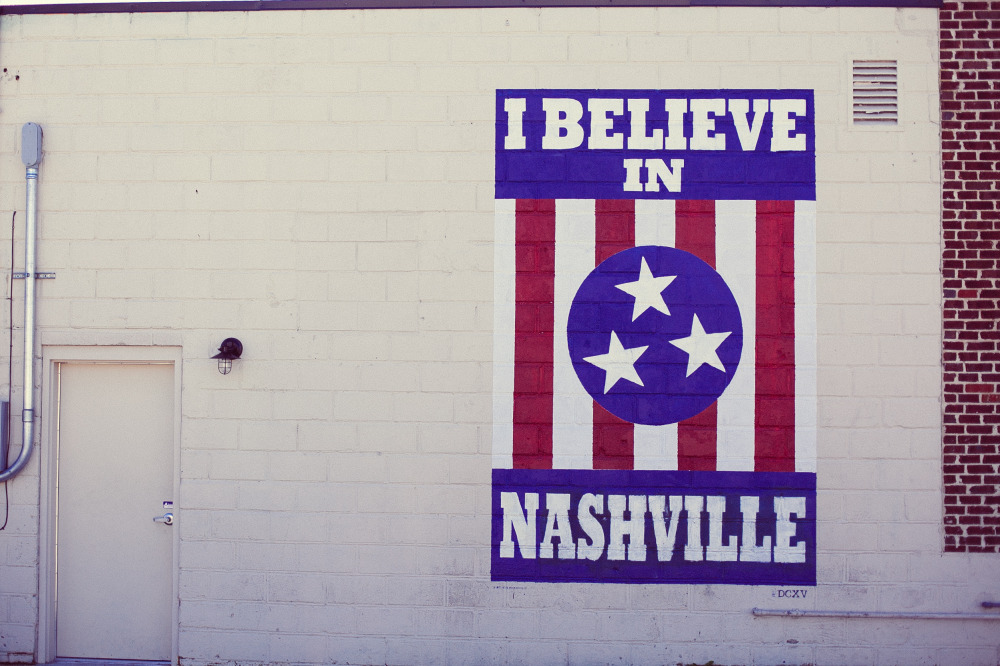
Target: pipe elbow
[(27, 445)]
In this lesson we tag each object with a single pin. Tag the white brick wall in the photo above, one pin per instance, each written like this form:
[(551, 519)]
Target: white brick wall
[(319, 183)]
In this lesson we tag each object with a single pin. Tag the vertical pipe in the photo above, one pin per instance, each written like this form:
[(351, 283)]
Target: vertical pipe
[(4, 433), (31, 155), (30, 232)]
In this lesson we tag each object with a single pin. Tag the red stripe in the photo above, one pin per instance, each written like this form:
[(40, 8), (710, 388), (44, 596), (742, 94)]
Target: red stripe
[(697, 436), (614, 438), (614, 441), (774, 409), (695, 229), (534, 315), (615, 227)]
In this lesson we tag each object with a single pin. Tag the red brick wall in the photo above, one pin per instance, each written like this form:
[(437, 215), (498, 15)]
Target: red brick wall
[(970, 132)]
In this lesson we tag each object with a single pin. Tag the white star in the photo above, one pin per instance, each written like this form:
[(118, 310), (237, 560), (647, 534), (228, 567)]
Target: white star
[(648, 291), (618, 363), (701, 347)]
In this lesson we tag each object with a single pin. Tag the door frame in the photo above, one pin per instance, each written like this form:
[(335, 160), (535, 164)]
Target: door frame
[(52, 356)]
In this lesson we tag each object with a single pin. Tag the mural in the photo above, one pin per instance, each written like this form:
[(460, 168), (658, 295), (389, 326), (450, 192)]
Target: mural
[(654, 345)]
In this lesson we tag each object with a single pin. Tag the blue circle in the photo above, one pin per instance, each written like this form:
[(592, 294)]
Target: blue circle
[(668, 393)]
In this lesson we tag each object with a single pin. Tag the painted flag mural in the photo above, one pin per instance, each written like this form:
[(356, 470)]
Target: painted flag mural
[(654, 345)]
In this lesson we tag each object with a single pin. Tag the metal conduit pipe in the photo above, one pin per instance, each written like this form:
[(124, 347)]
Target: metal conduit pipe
[(31, 155), (874, 615)]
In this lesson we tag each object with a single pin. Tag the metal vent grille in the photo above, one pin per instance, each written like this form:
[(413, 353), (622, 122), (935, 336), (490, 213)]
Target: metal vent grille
[(876, 94)]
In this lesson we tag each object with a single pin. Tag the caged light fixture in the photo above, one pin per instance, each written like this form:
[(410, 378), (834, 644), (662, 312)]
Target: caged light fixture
[(229, 350)]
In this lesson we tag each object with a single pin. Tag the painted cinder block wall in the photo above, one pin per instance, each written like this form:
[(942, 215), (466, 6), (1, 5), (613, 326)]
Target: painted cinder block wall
[(320, 183)]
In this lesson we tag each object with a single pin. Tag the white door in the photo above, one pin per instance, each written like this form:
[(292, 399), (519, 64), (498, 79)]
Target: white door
[(114, 564)]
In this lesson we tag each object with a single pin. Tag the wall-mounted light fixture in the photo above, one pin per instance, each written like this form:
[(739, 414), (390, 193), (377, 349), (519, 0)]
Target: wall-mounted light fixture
[(229, 350)]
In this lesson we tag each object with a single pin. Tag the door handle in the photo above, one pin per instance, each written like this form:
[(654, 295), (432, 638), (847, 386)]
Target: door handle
[(166, 519)]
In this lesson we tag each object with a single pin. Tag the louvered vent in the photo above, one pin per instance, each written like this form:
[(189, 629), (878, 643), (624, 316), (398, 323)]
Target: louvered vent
[(876, 95)]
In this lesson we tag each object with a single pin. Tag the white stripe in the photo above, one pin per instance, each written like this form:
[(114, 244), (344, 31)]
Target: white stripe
[(805, 336), (655, 446), (736, 262), (654, 222), (572, 406), (503, 333)]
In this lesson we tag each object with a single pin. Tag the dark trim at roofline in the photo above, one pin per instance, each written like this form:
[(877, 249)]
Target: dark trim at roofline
[(265, 5)]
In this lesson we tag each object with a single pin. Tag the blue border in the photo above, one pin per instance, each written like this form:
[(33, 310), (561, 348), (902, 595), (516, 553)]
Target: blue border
[(534, 172), (731, 485)]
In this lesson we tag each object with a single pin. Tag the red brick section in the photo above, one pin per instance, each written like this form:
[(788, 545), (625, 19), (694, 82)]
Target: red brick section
[(970, 134)]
